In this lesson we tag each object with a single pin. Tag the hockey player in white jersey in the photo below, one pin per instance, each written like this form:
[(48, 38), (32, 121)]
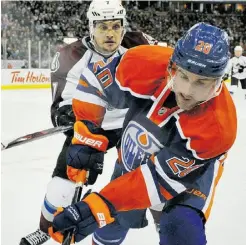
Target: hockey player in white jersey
[(108, 39), (237, 71)]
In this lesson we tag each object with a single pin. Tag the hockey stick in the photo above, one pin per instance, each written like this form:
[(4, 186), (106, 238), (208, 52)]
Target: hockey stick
[(35, 136), (81, 180)]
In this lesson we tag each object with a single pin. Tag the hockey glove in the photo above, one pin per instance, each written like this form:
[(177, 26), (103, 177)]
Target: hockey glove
[(225, 77), (64, 116), (85, 217), (86, 151)]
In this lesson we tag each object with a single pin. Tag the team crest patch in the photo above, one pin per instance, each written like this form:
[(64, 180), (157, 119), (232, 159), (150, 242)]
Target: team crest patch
[(150, 39), (137, 146), (55, 64), (162, 111)]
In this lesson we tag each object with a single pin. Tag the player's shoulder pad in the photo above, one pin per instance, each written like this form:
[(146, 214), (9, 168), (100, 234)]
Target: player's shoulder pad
[(135, 38), (211, 129), (68, 55), (142, 69)]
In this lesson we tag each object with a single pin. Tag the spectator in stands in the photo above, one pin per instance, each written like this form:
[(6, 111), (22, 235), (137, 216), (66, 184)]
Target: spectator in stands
[(51, 20)]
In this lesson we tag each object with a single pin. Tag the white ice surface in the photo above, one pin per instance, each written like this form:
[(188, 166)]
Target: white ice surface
[(26, 170)]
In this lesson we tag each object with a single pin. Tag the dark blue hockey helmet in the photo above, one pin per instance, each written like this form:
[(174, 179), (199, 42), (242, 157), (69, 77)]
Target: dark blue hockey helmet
[(203, 50)]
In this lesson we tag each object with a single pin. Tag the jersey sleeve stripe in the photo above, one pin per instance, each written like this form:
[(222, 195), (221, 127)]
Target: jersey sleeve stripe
[(89, 98), (163, 183), (88, 75), (65, 102), (188, 144), (175, 185), (165, 193), (127, 89), (151, 185), (91, 90), (218, 171)]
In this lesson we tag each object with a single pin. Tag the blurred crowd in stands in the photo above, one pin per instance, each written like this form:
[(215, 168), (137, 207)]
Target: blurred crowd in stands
[(51, 21)]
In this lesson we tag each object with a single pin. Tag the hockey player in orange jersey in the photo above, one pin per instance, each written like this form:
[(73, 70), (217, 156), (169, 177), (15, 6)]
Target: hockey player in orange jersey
[(175, 137)]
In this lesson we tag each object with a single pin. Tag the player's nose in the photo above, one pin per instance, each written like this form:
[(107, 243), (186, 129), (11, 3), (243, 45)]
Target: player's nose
[(110, 33), (187, 90)]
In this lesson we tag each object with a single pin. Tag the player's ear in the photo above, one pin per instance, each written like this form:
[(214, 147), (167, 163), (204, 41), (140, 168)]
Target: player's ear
[(172, 68)]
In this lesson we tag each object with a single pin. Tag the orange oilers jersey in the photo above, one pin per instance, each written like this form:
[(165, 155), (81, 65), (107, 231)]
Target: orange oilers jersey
[(143, 69), (166, 151)]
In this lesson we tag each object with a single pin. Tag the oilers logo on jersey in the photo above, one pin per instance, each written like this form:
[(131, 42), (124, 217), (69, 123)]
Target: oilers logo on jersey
[(137, 146)]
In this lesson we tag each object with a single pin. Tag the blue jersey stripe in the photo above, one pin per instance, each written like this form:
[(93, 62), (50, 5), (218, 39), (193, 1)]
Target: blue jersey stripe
[(50, 208)]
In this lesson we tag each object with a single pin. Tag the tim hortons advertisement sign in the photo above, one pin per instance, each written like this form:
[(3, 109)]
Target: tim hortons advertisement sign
[(25, 76)]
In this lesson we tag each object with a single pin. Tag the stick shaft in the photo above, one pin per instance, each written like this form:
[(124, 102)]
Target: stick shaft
[(81, 180), (35, 136)]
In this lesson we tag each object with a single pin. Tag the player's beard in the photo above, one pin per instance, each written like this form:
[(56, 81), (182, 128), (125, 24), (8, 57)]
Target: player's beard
[(182, 102), (106, 51), (186, 103)]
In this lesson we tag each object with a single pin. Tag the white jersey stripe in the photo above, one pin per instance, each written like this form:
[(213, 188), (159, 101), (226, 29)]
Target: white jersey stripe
[(89, 98), (89, 75), (150, 184), (177, 186), (188, 144)]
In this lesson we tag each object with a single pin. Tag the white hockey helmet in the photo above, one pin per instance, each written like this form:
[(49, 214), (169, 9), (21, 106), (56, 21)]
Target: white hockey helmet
[(105, 10), (238, 48)]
